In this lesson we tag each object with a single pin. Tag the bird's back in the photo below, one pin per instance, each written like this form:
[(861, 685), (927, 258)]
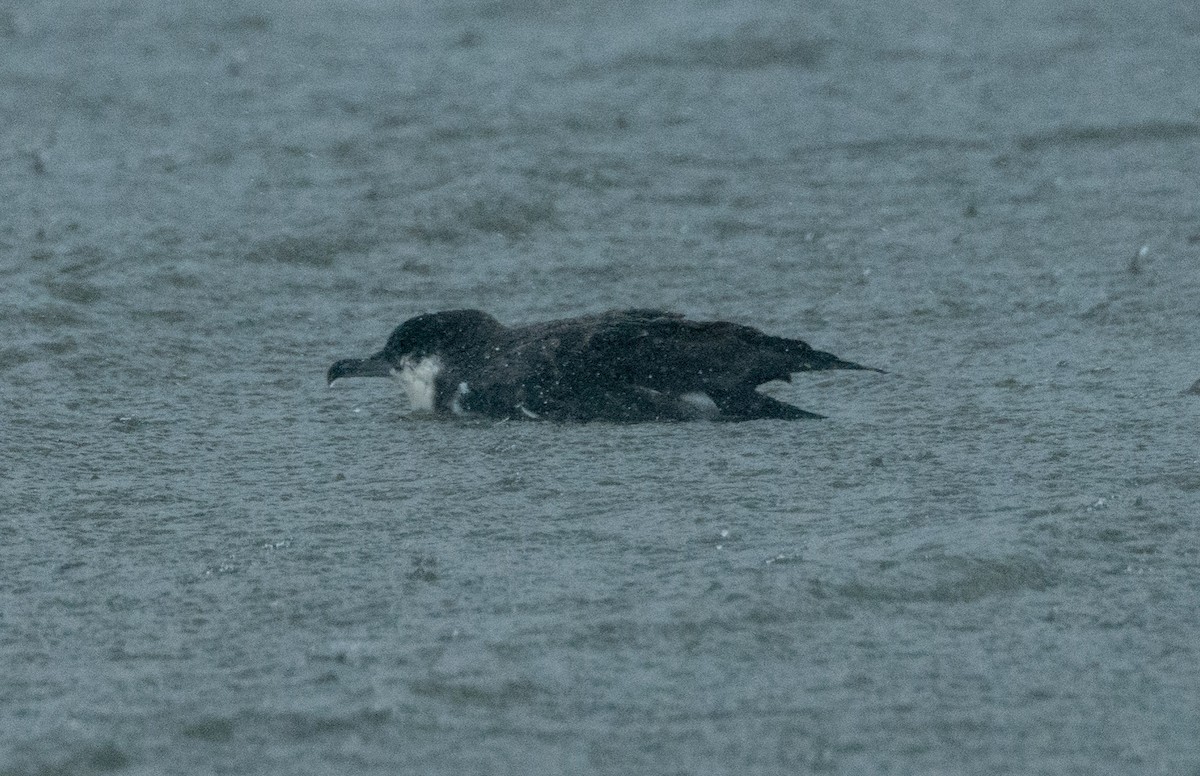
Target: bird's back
[(631, 365), (671, 353)]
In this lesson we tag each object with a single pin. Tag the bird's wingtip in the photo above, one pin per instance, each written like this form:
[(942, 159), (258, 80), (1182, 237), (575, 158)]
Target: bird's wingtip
[(863, 367)]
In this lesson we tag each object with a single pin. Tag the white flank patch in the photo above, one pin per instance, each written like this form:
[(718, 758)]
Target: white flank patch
[(417, 377), (702, 402), (456, 404)]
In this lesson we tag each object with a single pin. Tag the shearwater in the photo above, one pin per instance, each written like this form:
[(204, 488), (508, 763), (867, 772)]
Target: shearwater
[(623, 365)]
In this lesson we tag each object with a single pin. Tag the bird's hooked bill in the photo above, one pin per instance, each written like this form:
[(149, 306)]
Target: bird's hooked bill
[(375, 366)]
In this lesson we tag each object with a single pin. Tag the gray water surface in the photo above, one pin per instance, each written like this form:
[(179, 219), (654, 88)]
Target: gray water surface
[(985, 561)]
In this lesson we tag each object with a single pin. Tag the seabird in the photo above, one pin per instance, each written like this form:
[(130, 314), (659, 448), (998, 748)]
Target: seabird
[(623, 365)]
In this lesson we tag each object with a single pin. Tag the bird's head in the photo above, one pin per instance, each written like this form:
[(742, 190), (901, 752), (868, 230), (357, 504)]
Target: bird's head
[(435, 333), (430, 334)]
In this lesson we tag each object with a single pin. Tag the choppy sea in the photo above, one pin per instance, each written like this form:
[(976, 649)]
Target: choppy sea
[(986, 561)]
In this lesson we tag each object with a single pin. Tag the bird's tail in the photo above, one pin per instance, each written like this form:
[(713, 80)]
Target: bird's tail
[(812, 360)]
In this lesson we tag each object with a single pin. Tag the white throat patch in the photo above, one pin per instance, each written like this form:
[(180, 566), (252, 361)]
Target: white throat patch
[(418, 376)]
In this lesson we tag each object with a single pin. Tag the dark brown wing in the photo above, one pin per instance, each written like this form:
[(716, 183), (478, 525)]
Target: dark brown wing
[(677, 355), (639, 365)]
